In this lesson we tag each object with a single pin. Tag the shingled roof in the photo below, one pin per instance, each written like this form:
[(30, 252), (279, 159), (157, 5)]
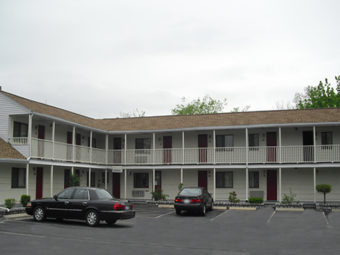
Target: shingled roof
[(8, 152), (275, 117)]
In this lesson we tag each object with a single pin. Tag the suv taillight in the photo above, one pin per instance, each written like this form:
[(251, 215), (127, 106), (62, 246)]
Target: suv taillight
[(118, 207)]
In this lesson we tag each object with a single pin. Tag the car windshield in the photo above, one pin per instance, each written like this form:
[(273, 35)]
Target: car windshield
[(103, 194), (190, 192)]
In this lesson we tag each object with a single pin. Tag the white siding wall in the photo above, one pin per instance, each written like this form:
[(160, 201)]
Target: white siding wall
[(332, 177)]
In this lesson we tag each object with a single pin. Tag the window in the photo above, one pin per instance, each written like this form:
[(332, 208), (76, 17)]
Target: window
[(94, 142), (143, 145), (141, 180), (253, 179), (224, 180), (326, 140), (20, 129), (254, 141), (18, 178), (81, 194), (66, 194), (224, 141)]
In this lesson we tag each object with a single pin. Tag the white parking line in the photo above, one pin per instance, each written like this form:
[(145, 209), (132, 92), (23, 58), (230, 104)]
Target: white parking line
[(325, 217), (159, 216), (21, 234), (218, 215), (271, 216)]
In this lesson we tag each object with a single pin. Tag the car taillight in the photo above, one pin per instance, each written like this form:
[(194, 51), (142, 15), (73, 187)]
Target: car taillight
[(118, 207), (178, 200), (196, 200)]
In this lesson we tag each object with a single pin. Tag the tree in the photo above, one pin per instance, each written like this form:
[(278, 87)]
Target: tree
[(321, 96), (206, 105), (136, 114), (324, 188)]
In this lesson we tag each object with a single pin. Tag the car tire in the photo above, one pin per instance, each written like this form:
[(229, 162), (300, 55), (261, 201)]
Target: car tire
[(92, 218), (203, 210), (178, 211), (39, 214), (211, 206), (110, 222)]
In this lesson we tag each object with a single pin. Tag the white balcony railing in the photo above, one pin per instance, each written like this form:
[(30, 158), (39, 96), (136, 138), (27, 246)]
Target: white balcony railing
[(18, 140), (43, 149)]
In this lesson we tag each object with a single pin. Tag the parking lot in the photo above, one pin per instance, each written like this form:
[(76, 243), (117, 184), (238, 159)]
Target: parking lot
[(161, 231)]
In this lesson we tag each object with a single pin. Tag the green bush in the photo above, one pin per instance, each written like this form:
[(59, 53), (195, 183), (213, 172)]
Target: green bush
[(25, 199), (74, 180), (158, 195), (324, 188), (289, 198), (255, 200), (233, 197), (9, 203), (180, 186)]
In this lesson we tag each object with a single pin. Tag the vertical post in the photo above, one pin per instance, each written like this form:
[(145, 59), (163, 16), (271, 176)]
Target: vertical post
[(125, 149), (280, 145), (89, 177), (280, 185), (73, 145), (314, 184), (27, 178), (125, 193), (247, 158), (53, 140), (106, 149), (183, 154), (314, 143), (51, 180), (181, 175), (72, 170), (153, 148), (153, 180), (30, 123), (106, 179), (91, 138), (214, 145), (214, 182)]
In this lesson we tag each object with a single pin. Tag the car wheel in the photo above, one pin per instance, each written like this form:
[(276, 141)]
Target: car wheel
[(204, 210), (211, 206), (39, 214), (178, 211), (111, 222), (92, 218)]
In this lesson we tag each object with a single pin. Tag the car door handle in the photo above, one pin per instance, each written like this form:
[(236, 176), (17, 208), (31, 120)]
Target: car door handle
[(84, 203), (66, 202)]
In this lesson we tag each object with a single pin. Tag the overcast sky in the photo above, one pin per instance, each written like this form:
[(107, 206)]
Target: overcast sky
[(101, 58)]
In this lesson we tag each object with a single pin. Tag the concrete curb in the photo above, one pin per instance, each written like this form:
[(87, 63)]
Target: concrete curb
[(287, 209), (16, 216), (165, 206), (220, 208), (238, 208), (336, 210)]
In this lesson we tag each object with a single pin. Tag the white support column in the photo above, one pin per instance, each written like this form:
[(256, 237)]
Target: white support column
[(73, 145), (247, 151), (214, 146), (280, 185), (89, 177), (72, 170), (280, 145), (51, 180), (125, 188), (183, 152), (153, 179), (314, 143), (53, 140), (214, 182), (91, 138), (27, 178), (106, 179), (153, 148), (106, 149), (314, 184), (125, 149), (181, 175), (29, 135)]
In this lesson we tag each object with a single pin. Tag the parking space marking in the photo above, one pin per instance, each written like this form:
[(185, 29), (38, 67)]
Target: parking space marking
[(325, 217), (218, 215), (159, 216), (21, 234), (270, 217)]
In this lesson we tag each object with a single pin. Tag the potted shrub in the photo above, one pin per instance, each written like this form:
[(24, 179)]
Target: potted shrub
[(25, 199), (324, 188), (9, 203)]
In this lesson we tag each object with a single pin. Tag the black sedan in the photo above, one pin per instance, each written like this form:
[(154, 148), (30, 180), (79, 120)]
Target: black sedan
[(193, 199), (89, 204)]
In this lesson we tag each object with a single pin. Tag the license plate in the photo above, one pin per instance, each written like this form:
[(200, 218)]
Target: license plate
[(186, 201)]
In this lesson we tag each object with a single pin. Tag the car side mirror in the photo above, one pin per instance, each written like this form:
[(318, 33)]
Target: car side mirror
[(55, 197)]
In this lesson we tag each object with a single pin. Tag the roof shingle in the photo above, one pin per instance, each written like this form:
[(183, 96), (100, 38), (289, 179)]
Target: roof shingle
[(7, 151)]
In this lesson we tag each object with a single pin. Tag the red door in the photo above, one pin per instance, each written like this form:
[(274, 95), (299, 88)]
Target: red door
[(271, 147), (271, 185), (203, 179), (202, 145), (116, 185), (167, 146), (39, 183), (158, 180)]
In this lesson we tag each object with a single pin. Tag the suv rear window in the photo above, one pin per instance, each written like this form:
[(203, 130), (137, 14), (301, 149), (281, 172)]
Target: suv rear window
[(190, 192)]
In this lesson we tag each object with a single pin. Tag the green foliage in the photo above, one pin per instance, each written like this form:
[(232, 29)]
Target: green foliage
[(321, 96), (9, 203), (233, 197), (158, 195), (324, 188), (135, 114), (289, 198), (25, 199), (207, 105), (180, 186), (255, 200), (74, 180)]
